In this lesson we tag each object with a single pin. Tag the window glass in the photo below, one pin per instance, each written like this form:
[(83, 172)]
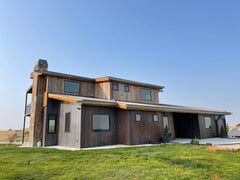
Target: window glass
[(208, 122), (115, 87), (72, 87), (100, 122), (155, 118), (67, 122), (138, 117), (165, 122), (146, 94), (52, 124), (126, 88)]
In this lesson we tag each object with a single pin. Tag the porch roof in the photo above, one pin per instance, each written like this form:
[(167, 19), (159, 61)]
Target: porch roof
[(135, 106)]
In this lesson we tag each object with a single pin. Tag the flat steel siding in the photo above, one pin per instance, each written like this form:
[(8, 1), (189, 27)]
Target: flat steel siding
[(92, 139), (72, 138)]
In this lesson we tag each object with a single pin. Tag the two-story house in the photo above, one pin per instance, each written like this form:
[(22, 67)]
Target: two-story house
[(81, 112)]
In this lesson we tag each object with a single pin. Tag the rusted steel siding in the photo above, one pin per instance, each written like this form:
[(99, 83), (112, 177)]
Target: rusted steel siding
[(145, 131), (92, 139), (56, 85), (204, 132), (134, 94), (123, 122)]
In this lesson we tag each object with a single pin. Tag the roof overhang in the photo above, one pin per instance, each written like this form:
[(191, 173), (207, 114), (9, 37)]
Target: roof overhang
[(135, 106)]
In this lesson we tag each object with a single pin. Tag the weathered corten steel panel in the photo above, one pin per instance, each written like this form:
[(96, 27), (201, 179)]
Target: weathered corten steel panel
[(145, 131), (123, 126), (207, 132), (56, 85), (89, 138), (134, 94)]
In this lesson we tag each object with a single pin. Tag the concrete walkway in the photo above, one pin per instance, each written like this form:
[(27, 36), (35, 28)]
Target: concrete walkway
[(214, 141)]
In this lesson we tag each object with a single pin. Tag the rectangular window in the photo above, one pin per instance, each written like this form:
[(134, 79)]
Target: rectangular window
[(100, 122), (67, 122), (126, 88), (146, 94), (155, 118), (165, 122), (138, 117), (52, 124), (115, 87), (208, 122), (71, 87)]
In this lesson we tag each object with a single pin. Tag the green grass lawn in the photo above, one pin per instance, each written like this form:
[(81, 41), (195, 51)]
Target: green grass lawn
[(175, 161)]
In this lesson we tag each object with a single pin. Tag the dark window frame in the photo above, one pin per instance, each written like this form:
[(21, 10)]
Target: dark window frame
[(115, 84), (109, 120), (55, 127), (127, 88), (157, 117), (67, 129), (65, 91), (205, 122), (142, 96), (136, 117)]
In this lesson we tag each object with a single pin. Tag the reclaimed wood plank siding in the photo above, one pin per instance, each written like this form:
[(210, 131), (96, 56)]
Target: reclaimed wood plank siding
[(56, 85), (204, 132), (92, 139), (72, 138), (134, 94), (102, 90)]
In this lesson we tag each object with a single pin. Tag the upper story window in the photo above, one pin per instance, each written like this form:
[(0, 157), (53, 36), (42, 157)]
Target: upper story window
[(71, 86), (208, 122), (115, 87), (146, 94), (126, 88)]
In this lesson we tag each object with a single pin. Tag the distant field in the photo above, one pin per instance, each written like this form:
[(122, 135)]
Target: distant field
[(173, 161), (5, 135)]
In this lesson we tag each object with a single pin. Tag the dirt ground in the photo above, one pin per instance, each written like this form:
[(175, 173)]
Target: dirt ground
[(230, 146), (5, 135)]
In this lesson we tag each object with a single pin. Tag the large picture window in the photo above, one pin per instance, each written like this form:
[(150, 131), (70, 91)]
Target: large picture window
[(67, 122), (146, 94), (52, 124), (100, 122), (165, 122), (71, 86), (208, 122)]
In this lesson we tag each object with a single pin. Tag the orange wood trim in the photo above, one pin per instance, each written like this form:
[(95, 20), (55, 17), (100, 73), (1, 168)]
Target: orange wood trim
[(63, 98), (122, 106), (102, 79)]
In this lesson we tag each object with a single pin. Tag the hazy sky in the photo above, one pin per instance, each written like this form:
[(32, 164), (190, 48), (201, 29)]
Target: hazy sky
[(190, 47)]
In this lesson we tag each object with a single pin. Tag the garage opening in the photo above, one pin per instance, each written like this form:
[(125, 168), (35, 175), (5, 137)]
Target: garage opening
[(186, 125)]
